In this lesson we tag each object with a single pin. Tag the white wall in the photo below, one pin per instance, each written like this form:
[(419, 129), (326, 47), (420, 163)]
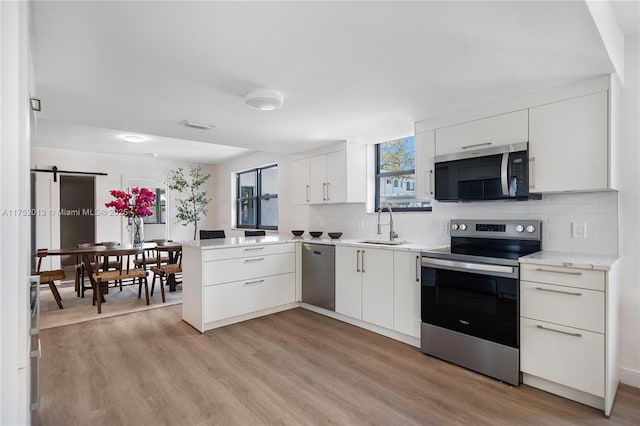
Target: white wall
[(289, 216), (15, 79), (629, 217), (120, 170)]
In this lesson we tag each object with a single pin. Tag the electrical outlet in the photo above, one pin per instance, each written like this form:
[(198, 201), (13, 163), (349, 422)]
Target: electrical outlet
[(444, 226), (579, 230)]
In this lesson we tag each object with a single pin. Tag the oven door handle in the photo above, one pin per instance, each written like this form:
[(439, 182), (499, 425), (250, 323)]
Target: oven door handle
[(480, 268)]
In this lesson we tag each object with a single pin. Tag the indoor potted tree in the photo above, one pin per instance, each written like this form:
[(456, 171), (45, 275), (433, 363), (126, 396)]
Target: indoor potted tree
[(193, 206)]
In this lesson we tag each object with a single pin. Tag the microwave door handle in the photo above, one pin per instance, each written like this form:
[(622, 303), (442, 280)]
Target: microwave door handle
[(504, 178)]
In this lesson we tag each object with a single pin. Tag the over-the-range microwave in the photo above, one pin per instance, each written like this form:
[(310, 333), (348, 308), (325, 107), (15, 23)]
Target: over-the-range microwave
[(495, 173)]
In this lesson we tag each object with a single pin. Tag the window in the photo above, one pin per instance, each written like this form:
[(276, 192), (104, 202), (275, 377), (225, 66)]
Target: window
[(158, 208), (257, 198), (396, 176)]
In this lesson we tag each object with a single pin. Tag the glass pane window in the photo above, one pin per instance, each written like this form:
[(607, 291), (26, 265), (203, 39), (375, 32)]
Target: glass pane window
[(158, 208), (247, 212), (396, 178), (257, 198)]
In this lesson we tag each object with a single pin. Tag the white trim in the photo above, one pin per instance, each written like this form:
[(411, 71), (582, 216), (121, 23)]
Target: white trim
[(630, 377)]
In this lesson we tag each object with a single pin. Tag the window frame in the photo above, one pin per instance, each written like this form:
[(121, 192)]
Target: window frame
[(159, 216), (257, 197), (379, 175)]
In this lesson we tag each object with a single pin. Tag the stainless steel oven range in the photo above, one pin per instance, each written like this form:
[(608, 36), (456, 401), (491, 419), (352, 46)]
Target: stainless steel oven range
[(470, 292)]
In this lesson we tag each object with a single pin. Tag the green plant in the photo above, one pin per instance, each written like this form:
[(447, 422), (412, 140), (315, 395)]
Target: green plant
[(193, 206)]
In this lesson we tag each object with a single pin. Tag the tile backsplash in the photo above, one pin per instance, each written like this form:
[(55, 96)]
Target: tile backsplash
[(558, 212)]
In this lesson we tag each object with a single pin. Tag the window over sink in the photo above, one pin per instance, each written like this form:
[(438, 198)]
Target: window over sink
[(395, 183), (257, 198)]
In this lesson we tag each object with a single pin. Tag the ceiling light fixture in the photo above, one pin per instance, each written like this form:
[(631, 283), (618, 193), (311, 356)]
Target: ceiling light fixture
[(196, 125), (133, 138), (263, 99)]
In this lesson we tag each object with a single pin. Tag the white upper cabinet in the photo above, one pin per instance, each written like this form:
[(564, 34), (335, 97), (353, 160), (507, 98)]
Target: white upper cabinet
[(336, 176), (425, 150), (568, 145), (503, 129), (318, 179), (300, 187)]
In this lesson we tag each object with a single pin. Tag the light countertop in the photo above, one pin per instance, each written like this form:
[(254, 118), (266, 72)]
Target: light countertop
[(218, 243), (570, 260)]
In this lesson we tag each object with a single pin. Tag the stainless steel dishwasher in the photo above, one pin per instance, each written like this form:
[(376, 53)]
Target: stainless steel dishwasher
[(319, 275)]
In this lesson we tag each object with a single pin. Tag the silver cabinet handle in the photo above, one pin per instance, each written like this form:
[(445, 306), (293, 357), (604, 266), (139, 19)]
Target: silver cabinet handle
[(477, 145), (358, 261), (324, 191), (558, 291), (532, 180), (247, 283), (430, 182), (327, 191), (257, 259), (559, 331), (362, 261), (307, 193), (253, 248), (418, 268), (558, 272)]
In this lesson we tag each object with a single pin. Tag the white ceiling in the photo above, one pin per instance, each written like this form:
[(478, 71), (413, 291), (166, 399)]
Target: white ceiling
[(363, 71)]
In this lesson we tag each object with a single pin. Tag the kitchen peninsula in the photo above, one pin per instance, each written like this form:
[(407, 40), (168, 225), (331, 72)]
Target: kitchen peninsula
[(236, 279)]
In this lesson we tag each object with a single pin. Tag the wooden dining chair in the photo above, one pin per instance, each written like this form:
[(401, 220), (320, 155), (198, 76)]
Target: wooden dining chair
[(163, 271), (254, 233), (149, 259), (80, 269), (125, 273), (49, 277), (209, 235)]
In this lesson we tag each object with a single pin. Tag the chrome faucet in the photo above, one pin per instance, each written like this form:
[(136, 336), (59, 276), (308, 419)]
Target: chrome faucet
[(392, 233)]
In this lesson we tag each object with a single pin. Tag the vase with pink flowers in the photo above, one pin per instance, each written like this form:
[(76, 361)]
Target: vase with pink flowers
[(135, 205)]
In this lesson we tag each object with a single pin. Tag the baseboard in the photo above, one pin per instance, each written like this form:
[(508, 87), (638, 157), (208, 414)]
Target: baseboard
[(409, 340), (630, 377)]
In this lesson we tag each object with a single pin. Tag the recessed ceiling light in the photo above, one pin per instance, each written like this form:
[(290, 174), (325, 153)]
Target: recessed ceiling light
[(196, 125), (263, 99), (134, 138)]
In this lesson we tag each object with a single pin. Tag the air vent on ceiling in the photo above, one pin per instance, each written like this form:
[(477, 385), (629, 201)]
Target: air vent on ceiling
[(196, 125)]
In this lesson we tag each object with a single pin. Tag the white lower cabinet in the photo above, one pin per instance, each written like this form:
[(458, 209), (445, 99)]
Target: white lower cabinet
[(242, 297), (568, 332), (228, 284), (565, 355), (406, 292), (364, 284)]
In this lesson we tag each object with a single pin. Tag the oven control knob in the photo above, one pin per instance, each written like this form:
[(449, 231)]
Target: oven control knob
[(531, 228), (454, 226), (519, 228), (463, 227)]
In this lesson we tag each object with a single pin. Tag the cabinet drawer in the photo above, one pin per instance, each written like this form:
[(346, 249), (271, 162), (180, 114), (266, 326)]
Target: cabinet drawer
[(568, 306), (570, 277), (246, 250), (243, 297), (575, 360), (244, 268)]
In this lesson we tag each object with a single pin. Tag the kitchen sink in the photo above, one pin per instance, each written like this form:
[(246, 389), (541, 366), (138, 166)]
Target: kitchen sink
[(383, 242)]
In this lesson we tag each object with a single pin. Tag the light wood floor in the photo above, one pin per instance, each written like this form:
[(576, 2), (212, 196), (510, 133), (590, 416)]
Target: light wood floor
[(296, 368)]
